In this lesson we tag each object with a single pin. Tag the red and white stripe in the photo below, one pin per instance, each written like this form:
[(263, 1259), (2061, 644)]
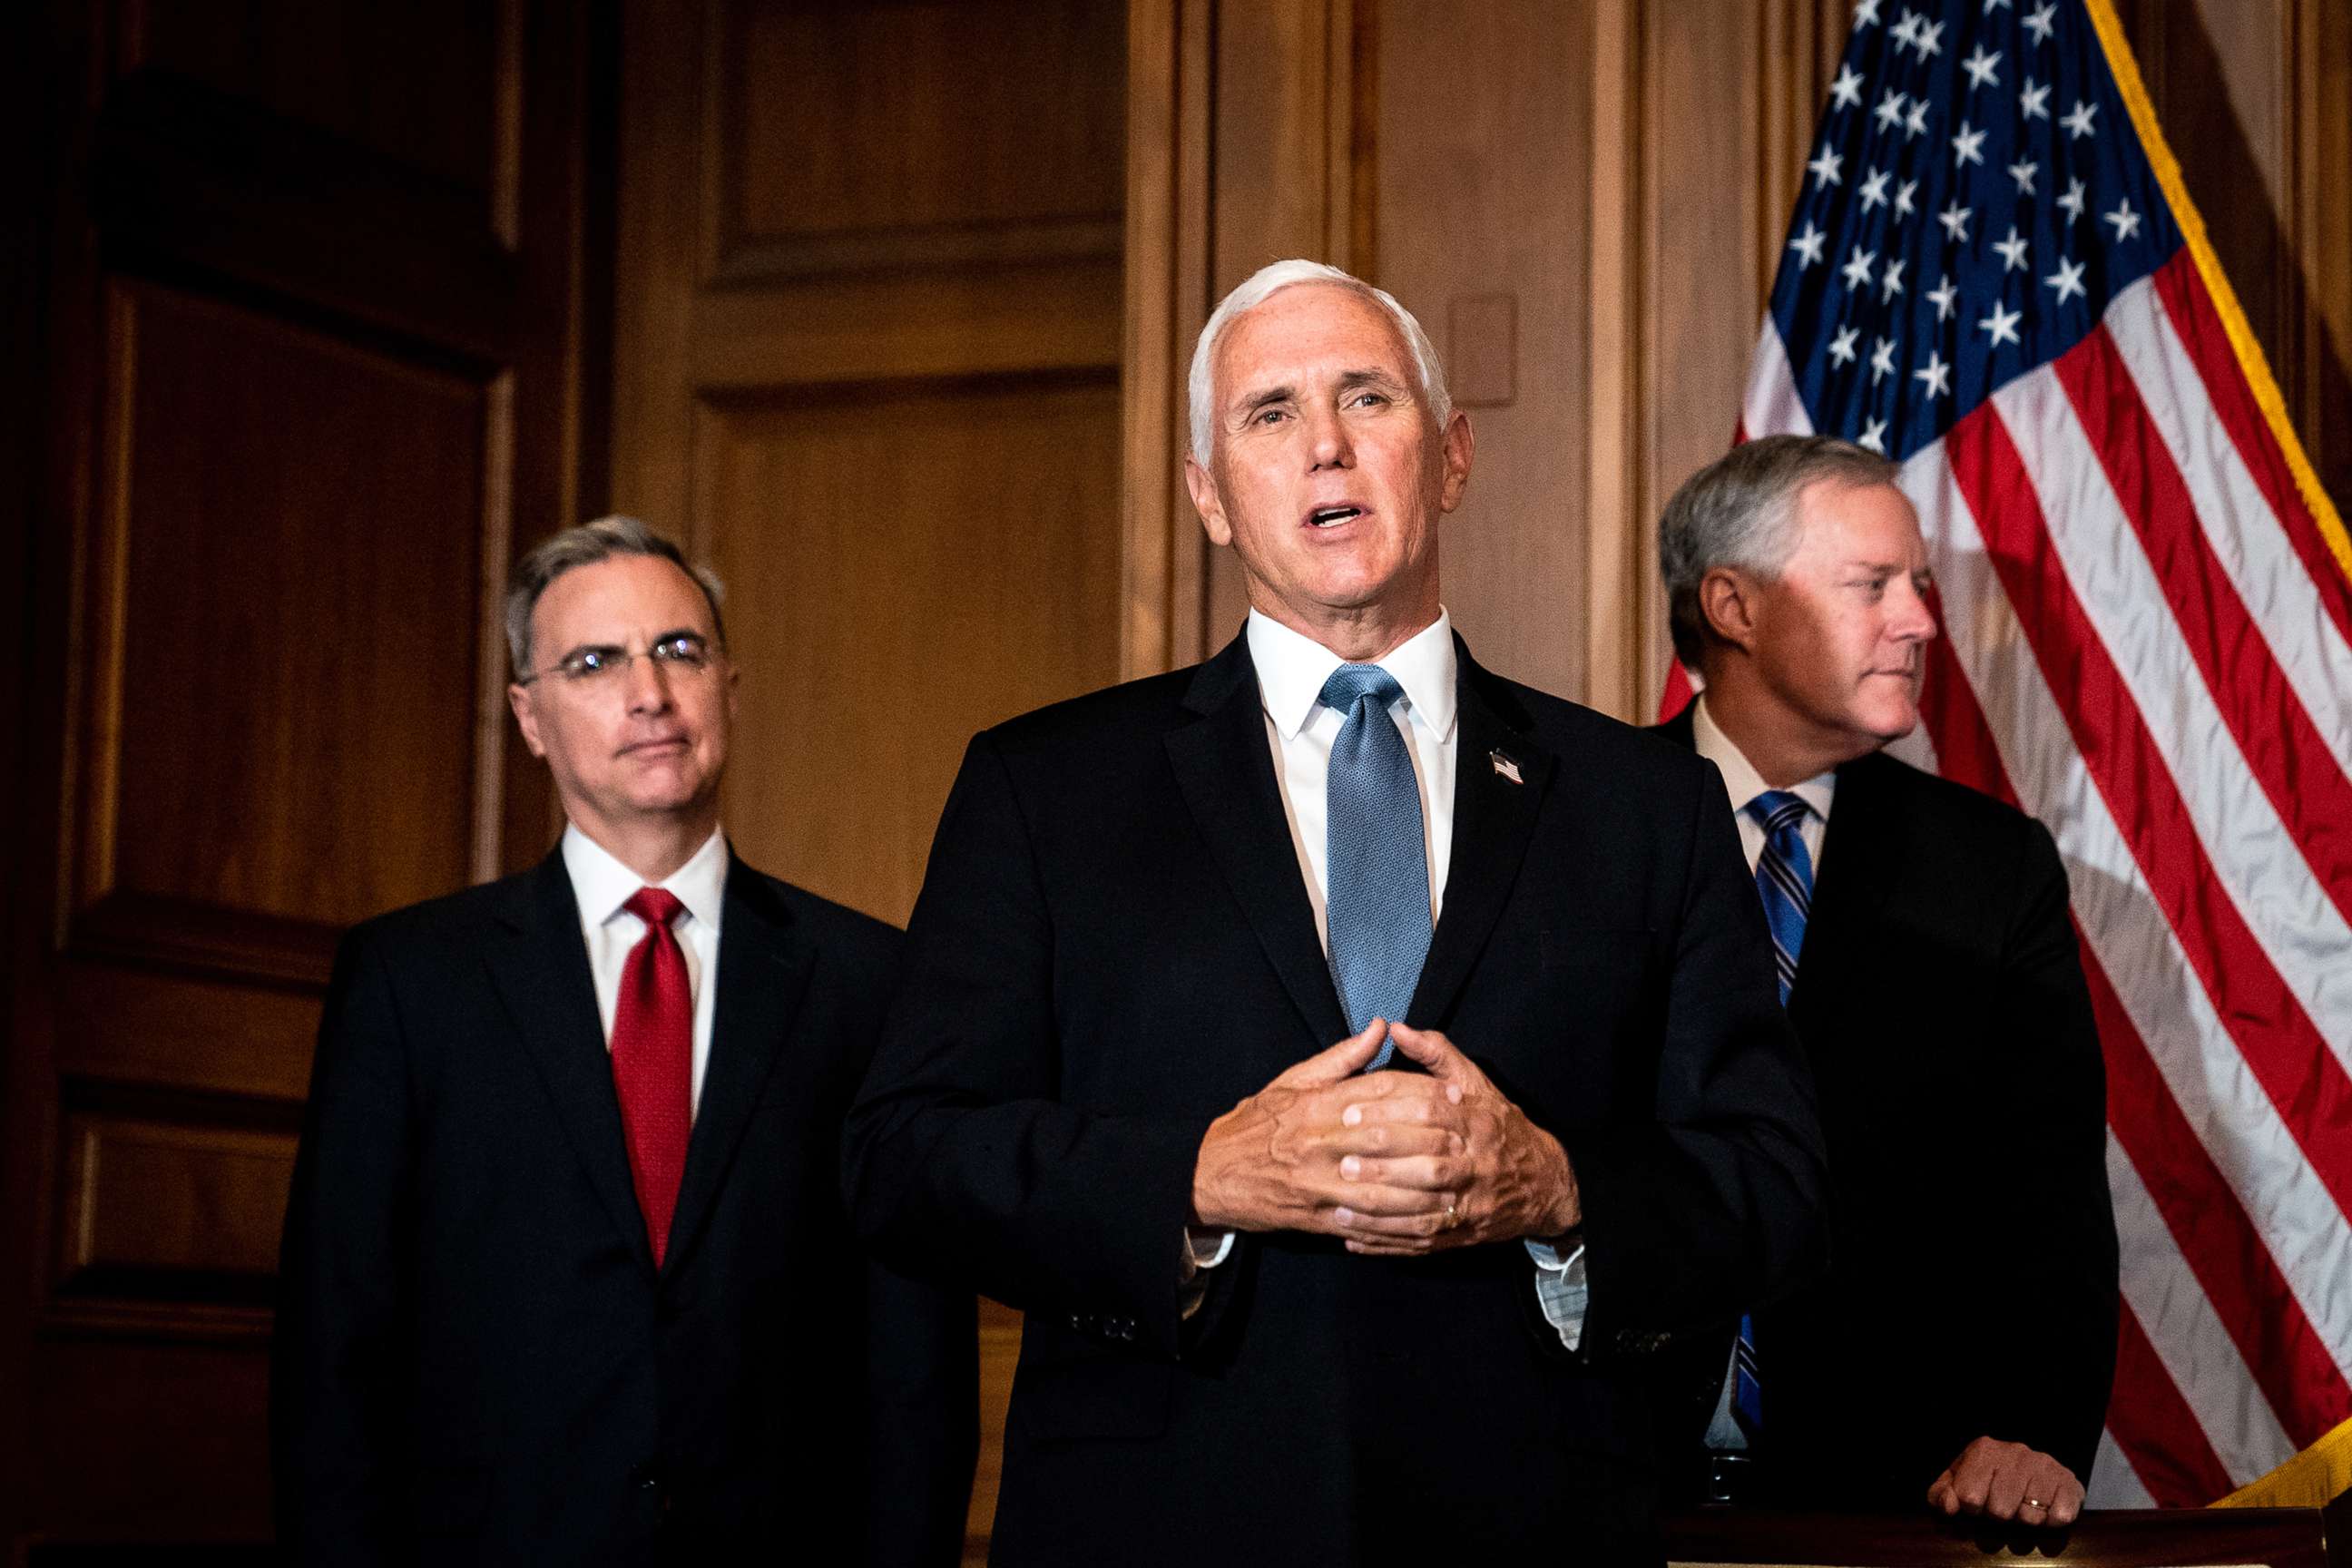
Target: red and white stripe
[(2147, 645)]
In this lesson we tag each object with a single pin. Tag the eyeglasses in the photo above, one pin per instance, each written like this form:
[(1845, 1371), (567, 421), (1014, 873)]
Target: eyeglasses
[(681, 653)]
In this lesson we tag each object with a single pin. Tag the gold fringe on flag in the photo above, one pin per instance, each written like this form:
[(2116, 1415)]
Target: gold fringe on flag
[(2313, 1479)]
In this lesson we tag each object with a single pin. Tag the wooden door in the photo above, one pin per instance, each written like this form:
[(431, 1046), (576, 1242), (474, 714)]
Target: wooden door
[(300, 347)]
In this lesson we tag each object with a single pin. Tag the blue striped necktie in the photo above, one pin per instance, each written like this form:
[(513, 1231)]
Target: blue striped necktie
[(1784, 880), (1376, 869)]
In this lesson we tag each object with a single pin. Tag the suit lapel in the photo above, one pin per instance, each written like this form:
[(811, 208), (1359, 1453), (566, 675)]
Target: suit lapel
[(764, 968), (1851, 883), (1494, 816), (541, 971), (1848, 887), (1225, 771)]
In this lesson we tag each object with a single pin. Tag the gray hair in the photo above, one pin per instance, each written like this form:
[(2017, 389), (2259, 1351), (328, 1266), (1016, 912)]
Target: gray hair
[(602, 540), (1741, 511), (1254, 290)]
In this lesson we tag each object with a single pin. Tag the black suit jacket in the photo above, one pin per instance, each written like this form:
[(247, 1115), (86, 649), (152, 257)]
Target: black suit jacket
[(1940, 996), (1114, 944), (476, 1360)]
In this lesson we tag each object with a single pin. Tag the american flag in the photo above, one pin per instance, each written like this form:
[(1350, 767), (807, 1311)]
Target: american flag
[(1995, 277)]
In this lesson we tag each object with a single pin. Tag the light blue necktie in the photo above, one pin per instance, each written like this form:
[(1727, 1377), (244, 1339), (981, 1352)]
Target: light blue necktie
[(1784, 880), (1377, 902)]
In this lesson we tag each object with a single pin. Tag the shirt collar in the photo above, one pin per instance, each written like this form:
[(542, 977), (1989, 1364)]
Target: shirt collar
[(1292, 668), (1740, 778), (602, 884)]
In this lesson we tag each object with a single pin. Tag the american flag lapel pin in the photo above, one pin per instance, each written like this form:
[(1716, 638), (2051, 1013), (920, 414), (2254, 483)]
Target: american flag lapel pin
[(1505, 766)]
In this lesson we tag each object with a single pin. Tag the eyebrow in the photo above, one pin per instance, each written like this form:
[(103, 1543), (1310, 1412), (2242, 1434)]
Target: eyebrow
[(1893, 569), (1348, 380), (1266, 399), (674, 632)]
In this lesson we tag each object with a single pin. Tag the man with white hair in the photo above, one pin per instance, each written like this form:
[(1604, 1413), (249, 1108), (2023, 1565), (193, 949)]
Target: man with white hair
[(1357, 1066)]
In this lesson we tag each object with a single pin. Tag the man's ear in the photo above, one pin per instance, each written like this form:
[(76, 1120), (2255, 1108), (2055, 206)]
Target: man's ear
[(1205, 501), (518, 698), (1457, 446), (1727, 602)]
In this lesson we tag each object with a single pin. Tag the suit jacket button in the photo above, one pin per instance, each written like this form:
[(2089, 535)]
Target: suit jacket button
[(1077, 1323)]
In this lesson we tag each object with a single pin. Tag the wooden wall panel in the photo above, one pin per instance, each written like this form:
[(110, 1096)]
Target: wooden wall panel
[(1000, 1352), (312, 322), (1705, 266), (171, 1209), (2321, 77), (285, 608), (941, 554), (166, 1448), (1282, 114), (417, 83), (1483, 197), (1166, 271), (871, 164)]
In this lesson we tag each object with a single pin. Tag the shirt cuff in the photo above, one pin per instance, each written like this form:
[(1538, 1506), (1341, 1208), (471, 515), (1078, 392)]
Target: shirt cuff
[(1560, 1289), (1204, 1250), (1207, 1247)]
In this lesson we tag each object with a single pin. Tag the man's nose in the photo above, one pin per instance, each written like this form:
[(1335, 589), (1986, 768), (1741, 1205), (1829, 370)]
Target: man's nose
[(648, 684), (1328, 435), (1914, 620)]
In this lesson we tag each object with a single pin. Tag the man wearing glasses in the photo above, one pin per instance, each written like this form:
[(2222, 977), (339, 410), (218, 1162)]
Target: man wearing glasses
[(566, 1273)]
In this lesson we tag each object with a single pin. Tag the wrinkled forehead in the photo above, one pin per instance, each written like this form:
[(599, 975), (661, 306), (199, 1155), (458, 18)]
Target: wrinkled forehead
[(1872, 520), (616, 599), (1307, 330)]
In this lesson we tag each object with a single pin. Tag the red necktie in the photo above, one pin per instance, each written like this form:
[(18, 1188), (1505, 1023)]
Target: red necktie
[(653, 1061)]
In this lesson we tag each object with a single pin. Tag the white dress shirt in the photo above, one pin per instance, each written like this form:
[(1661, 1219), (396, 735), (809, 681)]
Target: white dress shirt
[(1743, 783), (1291, 670), (601, 885), (1300, 732)]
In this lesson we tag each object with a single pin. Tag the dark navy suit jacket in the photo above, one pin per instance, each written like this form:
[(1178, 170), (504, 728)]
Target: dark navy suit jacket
[(1114, 945), (477, 1360), (1941, 998)]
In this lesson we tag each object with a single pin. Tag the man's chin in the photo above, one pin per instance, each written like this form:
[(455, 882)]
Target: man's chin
[(674, 797), (1889, 728)]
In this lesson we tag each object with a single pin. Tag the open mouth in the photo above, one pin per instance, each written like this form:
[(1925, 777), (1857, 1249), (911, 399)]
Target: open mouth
[(1332, 516)]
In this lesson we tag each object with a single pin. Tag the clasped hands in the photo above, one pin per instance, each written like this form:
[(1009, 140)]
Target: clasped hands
[(1397, 1164)]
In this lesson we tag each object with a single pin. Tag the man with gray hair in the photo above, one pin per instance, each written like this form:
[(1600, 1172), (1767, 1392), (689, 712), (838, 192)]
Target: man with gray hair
[(567, 1277), (1358, 1066), (1961, 1352)]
